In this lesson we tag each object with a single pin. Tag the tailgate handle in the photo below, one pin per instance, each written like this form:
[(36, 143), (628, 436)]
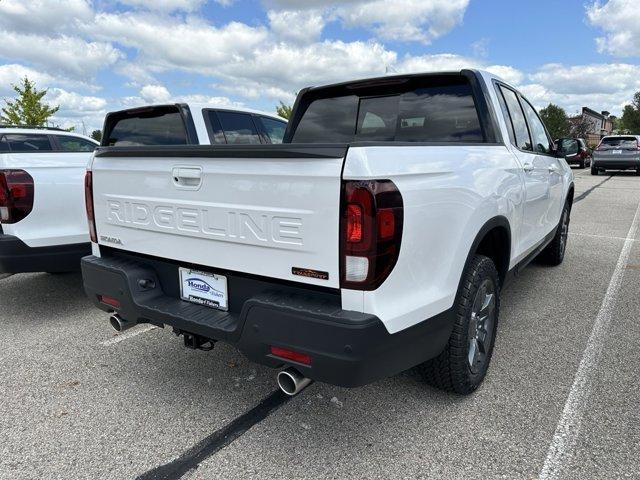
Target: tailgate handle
[(187, 177)]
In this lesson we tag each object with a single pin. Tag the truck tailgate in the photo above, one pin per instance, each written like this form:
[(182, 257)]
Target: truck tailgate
[(268, 210)]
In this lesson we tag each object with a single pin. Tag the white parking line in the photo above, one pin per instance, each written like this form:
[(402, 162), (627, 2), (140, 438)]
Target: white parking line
[(564, 440), (133, 332), (600, 236)]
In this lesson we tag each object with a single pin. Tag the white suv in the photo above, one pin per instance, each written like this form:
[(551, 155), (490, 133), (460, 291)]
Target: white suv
[(42, 220)]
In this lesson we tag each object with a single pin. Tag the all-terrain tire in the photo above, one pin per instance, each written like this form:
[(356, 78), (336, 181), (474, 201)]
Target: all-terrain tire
[(553, 254), (451, 370)]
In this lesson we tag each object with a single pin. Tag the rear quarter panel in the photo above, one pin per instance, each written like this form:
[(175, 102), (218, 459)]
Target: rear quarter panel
[(449, 193), (58, 216)]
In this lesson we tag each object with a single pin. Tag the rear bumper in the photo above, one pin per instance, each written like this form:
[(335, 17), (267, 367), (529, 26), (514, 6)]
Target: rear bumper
[(347, 348), (620, 164), (17, 257)]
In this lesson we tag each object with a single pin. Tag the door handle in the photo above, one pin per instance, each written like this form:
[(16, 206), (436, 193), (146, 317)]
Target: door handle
[(527, 167), (187, 177)]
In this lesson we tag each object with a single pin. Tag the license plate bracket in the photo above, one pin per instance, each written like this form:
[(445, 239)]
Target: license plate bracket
[(204, 288)]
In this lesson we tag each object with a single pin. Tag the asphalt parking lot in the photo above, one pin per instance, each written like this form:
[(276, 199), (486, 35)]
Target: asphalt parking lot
[(561, 401)]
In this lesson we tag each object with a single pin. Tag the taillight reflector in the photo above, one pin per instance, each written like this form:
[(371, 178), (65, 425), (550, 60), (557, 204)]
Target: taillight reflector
[(291, 355), (16, 195), (112, 302)]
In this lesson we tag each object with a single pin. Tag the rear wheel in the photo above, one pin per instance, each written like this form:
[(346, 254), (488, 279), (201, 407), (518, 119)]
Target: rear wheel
[(553, 254), (594, 170), (463, 364), (581, 164)]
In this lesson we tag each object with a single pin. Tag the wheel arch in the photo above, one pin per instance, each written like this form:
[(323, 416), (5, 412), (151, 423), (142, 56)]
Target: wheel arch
[(494, 241), (570, 194)]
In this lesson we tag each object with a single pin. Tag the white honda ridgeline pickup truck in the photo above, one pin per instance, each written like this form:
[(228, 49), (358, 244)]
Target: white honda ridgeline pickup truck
[(377, 238)]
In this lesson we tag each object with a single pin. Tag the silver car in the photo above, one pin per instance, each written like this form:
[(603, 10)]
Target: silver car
[(617, 152)]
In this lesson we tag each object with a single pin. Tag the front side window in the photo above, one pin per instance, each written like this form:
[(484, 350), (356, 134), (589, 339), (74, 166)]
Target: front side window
[(75, 144), (515, 114), (28, 142), (541, 142), (274, 128), (442, 112), (238, 128)]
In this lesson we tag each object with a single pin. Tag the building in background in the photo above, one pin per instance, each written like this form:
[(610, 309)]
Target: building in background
[(591, 125)]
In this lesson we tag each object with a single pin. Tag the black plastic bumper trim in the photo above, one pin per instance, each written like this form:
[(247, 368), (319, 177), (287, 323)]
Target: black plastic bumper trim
[(17, 257), (347, 348)]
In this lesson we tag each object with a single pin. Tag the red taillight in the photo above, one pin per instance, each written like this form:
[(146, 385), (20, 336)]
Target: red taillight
[(110, 301), (354, 223), (16, 195), (88, 201), (371, 231), (291, 355)]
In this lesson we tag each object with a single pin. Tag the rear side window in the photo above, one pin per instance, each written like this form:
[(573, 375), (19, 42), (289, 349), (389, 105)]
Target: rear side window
[(75, 144), (274, 129), (152, 126), (238, 128), (27, 142), (513, 113), (4, 145), (430, 113)]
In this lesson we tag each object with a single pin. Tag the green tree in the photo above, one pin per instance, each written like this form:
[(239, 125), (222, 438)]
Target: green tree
[(555, 118), (97, 135), (27, 108), (630, 120), (284, 110)]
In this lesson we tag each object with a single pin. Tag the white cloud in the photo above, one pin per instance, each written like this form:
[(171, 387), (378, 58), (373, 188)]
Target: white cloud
[(155, 93), (598, 86), (63, 54), (74, 104), (405, 20), (201, 48), (12, 74), (166, 5), (42, 16), (620, 21), (402, 20), (296, 25)]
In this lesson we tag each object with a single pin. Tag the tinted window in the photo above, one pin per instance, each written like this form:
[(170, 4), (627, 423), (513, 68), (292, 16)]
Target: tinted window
[(518, 123), (238, 128), (619, 142), (216, 135), (4, 145), (541, 142), (328, 120), (274, 128), (28, 143), (445, 113), (75, 144), (156, 126)]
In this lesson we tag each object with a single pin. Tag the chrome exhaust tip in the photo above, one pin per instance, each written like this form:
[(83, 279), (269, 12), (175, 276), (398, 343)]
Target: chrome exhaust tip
[(292, 382), (119, 324)]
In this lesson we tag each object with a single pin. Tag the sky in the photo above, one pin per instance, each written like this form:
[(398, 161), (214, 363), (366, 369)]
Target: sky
[(95, 56)]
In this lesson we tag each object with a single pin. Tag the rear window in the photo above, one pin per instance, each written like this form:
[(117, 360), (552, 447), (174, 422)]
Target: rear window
[(619, 142), (26, 143), (238, 128), (443, 111), (152, 126)]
